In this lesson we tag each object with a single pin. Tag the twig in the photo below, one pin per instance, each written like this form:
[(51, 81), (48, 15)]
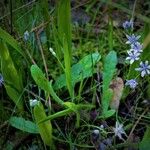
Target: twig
[(43, 57), (131, 132), (41, 50), (30, 56), (133, 12)]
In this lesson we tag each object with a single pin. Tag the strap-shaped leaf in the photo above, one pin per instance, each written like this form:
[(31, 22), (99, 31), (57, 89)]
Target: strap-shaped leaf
[(13, 80), (45, 128), (11, 41)]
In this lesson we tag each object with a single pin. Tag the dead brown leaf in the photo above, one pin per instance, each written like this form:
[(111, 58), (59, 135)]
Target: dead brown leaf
[(117, 86)]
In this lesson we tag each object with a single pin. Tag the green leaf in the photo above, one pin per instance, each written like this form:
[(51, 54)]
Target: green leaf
[(109, 70), (107, 96), (64, 21), (81, 70), (24, 125), (145, 143), (43, 83), (64, 31), (56, 115), (13, 79), (71, 108), (45, 128), (15, 96), (11, 41), (107, 114), (39, 78)]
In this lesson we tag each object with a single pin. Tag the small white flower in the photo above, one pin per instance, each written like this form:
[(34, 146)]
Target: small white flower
[(132, 83), (144, 68), (52, 51), (102, 126), (133, 56), (118, 130), (33, 102)]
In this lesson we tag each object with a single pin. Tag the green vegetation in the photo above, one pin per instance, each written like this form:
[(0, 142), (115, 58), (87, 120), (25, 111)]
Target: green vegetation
[(75, 75)]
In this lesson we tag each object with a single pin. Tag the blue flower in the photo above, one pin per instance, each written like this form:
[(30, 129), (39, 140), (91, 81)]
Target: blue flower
[(118, 130), (144, 68), (132, 39), (1, 80), (26, 35), (132, 83), (132, 56), (137, 47), (128, 24)]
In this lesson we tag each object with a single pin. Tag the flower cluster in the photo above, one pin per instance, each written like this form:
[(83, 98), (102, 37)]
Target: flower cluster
[(136, 48)]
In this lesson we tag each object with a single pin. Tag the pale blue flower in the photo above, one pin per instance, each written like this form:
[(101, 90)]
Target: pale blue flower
[(26, 35), (137, 47), (132, 39), (132, 56), (132, 83), (144, 68), (128, 24), (1, 80), (118, 130)]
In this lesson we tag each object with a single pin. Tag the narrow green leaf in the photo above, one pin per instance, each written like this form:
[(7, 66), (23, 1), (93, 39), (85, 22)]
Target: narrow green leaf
[(45, 128), (43, 83), (64, 31), (13, 80), (24, 125), (64, 21), (56, 115), (15, 96), (11, 41), (39, 78), (71, 108)]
